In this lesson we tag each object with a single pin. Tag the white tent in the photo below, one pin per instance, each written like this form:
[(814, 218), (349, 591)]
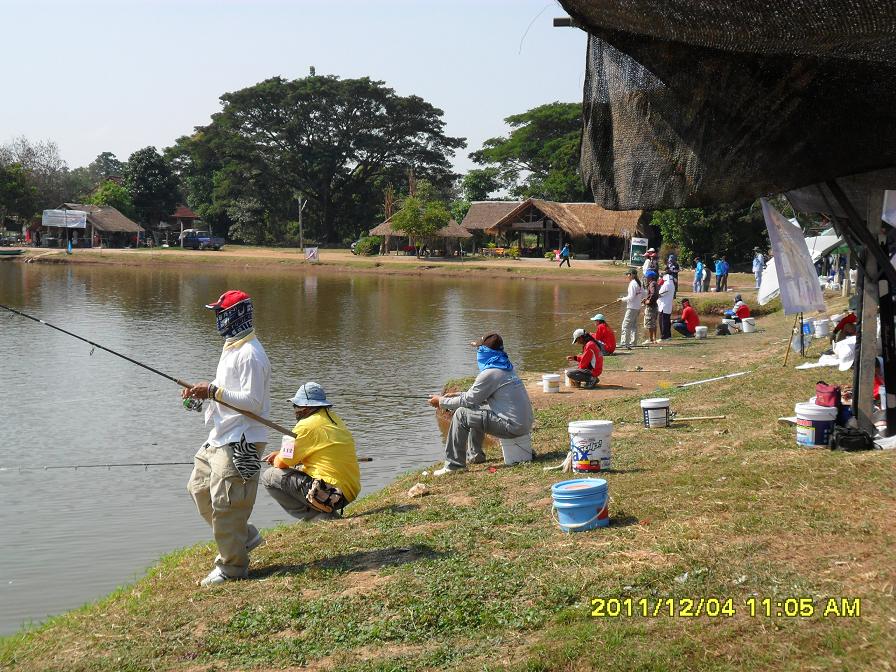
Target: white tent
[(818, 246)]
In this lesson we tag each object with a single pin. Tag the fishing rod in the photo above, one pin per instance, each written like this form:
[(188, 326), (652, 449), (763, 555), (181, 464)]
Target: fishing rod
[(249, 414), (120, 464)]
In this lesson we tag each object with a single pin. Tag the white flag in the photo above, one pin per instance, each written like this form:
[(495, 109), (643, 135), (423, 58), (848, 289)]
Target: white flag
[(797, 277), (889, 214)]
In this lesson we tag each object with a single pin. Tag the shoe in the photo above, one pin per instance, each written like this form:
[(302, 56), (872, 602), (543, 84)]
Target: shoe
[(251, 545), (216, 576), (591, 384), (448, 470), (478, 459)]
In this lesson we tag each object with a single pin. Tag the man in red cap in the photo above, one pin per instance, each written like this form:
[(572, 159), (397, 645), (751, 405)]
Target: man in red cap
[(225, 472)]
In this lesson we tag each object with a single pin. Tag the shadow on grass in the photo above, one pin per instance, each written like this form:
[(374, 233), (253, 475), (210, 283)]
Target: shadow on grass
[(624, 520), (360, 561)]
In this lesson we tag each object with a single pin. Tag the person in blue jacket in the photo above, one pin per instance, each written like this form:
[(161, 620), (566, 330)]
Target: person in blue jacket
[(719, 273), (698, 275), (564, 256)]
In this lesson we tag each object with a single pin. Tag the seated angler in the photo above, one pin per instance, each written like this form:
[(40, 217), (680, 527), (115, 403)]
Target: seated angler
[(318, 475), (740, 310), (603, 334), (508, 413), (687, 324), (591, 362)]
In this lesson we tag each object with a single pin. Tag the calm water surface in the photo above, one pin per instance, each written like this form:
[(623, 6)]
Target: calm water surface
[(71, 536)]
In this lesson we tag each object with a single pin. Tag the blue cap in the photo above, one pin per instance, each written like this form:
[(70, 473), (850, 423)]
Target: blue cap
[(311, 394), (650, 273)]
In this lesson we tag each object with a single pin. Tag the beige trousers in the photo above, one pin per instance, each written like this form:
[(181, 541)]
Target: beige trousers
[(225, 500)]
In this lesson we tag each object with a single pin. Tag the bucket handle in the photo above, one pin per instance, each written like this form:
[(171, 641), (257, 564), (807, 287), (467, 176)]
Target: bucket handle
[(575, 526)]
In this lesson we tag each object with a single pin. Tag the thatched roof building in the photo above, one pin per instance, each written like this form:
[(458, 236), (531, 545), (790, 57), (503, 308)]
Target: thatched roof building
[(484, 214), (105, 218), (575, 220), (450, 230)]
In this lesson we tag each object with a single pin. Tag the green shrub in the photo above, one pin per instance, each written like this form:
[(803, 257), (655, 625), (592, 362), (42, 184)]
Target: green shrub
[(368, 245), (513, 253)]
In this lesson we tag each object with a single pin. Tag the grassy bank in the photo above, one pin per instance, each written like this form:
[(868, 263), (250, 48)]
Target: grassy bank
[(476, 575)]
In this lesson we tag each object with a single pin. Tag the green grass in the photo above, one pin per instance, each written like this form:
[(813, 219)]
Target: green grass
[(477, 576)]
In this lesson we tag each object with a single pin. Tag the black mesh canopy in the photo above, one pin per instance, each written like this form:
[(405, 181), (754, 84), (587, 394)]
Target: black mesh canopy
[(697, 102)]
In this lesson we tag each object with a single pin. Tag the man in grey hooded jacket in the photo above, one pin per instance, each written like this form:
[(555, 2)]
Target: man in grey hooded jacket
[(508, 413)]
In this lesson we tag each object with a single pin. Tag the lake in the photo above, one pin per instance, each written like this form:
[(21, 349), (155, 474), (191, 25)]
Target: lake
[(71, 536)]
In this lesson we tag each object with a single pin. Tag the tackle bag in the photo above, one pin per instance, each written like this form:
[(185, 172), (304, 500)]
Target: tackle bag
[(850, 440)]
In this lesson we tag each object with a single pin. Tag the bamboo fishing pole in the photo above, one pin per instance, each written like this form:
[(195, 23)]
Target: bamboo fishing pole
[(249, 414)]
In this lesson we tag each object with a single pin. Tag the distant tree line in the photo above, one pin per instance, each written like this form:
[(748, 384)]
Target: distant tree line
[(351, 148)]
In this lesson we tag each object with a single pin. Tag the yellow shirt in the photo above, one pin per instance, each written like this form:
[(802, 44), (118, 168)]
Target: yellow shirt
[(326, 450)]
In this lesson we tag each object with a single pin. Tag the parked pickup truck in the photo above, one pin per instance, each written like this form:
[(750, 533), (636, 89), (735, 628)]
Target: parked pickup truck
[(201, 240)]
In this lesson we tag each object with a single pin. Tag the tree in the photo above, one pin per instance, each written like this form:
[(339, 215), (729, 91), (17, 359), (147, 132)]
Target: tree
[(44, 167), (540, 156), (336, 142), (480, 183), (152, 185), (113, 194), (731, 229), (419, 218), (18, 197), (104, 166)]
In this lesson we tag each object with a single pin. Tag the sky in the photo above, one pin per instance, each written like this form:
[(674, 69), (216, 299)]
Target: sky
[(98, 75)]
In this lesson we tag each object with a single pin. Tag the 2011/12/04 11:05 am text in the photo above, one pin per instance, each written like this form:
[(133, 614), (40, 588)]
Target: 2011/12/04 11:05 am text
[(754, 607)]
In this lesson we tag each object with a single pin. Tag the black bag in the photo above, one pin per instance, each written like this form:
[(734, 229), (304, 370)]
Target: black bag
[(850, 440), (723, 330)]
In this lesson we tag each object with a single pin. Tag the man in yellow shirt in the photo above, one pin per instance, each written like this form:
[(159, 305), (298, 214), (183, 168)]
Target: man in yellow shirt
[(318, 475)]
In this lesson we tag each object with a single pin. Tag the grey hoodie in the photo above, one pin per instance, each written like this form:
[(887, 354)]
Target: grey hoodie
[(503, 392)]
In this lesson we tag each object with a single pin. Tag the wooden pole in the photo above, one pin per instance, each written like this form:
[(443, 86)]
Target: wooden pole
[(790, 340)]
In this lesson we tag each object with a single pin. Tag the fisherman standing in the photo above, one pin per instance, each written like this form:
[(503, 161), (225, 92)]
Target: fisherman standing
[(225, 473), (758, 265), (629, 331), (508, 416)]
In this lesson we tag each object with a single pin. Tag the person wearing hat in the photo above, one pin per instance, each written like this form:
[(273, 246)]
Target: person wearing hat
[(591, 362), (689, 321), (508, 414), (739, 311), (318, 474), (651, 295), (665, 298), (650, 264), (224, 481), (758, 265), (629, 330), (603, 334)]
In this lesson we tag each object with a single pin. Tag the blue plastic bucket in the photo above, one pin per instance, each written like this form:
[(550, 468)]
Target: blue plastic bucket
[(581, 504)]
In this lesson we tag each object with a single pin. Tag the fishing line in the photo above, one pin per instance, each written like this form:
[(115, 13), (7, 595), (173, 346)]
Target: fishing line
[(119, 464), (248, 414)]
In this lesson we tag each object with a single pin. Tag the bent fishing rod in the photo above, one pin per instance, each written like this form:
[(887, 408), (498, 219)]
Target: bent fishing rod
[(249, 414)]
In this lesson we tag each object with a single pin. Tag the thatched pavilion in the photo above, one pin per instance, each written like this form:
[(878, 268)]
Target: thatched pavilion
[(447, 237), (557, 223)]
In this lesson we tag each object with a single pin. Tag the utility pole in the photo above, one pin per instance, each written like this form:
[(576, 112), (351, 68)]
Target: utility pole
[(302, 204)]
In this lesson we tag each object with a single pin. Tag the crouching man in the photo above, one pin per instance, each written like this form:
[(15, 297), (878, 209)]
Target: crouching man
[(318, 476), (509, 412)]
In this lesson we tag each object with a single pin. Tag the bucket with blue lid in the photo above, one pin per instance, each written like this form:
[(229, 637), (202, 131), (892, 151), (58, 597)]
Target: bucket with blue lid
[(581, 504)]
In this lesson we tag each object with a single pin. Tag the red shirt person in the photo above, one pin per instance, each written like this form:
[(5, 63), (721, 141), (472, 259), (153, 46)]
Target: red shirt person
[(603, 334), (590, 362), (689, 321)]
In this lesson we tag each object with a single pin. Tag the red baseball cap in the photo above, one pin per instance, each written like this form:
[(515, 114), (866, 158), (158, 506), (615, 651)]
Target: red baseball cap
[(228, 299)]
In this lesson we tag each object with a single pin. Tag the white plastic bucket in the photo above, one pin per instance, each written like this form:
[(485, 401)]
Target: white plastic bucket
[(550, 383), (589, 444), (518, 449), (729, 321), (822, 329), (700, 332), (656, 412), (748, 324), (837, 317), (814, 424)]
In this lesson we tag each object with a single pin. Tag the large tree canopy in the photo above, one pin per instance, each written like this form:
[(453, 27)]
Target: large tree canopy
[(540, 156), (151, 184), (336, 142)]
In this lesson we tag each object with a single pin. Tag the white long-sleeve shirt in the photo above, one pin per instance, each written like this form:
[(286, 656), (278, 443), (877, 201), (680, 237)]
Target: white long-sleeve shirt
[(633, 298), (666, 295), (244, 380)]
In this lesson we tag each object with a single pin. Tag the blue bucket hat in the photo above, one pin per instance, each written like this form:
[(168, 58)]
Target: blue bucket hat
[(311, 394)]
